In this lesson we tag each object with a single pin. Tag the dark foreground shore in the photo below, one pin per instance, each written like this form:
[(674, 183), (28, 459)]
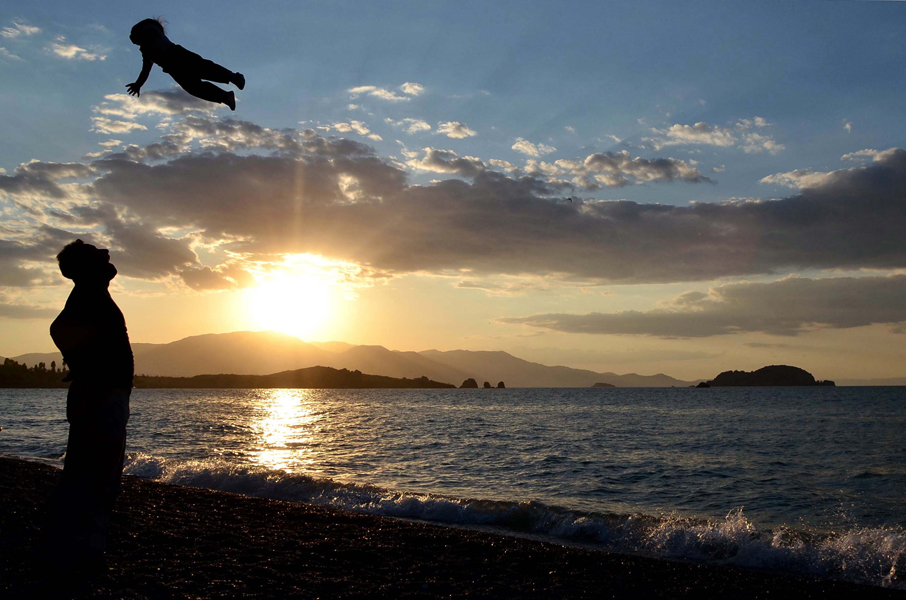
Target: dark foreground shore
[(177, 542)]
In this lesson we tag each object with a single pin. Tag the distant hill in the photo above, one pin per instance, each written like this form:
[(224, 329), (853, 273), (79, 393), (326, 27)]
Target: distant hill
[(265, 352), (241, 352), (311, 378), (16, 375), (516, 372), (774, 375)]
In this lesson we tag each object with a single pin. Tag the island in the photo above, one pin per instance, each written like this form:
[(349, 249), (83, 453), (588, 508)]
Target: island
[(603, 385), (14, 375), (773, 375)]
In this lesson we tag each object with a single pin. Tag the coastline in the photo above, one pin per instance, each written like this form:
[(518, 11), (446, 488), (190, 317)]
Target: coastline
[(175, 541)]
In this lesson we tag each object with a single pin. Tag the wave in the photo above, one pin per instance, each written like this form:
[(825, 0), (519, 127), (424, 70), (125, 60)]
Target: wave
[(875, 556)]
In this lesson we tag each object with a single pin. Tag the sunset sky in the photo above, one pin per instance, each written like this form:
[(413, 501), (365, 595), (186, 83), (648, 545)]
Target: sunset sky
[(632, 187)]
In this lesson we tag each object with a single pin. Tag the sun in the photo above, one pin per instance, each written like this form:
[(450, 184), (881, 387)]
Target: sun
[(298, 305)]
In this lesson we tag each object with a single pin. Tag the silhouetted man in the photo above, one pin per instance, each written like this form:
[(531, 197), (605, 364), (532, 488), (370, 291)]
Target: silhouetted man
[(91, 334)]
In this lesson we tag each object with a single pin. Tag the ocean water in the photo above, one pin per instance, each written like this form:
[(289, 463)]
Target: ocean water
[(808, 480)]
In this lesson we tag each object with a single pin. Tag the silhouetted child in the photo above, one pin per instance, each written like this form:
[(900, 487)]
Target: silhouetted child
[(186, 68)]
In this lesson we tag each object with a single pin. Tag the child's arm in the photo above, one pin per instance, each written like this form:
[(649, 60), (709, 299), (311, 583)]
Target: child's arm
[(135, 88)]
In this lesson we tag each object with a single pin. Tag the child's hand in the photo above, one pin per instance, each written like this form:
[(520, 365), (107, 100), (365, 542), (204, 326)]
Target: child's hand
[(134, 89)]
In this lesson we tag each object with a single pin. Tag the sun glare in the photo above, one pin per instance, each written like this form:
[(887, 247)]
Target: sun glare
[(295, 304)]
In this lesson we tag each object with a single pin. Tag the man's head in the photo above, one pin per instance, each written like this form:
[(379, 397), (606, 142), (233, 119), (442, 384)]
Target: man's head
[(83, 263)]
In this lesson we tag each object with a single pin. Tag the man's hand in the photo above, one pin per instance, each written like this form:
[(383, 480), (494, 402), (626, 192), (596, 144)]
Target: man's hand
[(134, 89)]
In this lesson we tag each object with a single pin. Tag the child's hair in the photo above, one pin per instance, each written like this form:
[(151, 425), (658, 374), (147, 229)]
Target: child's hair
[(147, 30)]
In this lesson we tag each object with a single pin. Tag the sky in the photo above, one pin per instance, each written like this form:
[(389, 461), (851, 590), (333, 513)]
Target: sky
[(641, 187)]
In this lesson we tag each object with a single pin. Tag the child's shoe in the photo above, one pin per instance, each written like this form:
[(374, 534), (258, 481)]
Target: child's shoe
[(231, 101), (239, 80)]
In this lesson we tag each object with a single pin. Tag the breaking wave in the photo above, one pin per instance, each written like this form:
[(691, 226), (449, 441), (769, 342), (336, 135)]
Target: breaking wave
[(875, 556)]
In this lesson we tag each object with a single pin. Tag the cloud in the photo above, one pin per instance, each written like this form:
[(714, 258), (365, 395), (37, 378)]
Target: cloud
[(530, 149), (410, 125), (353, 126), (806, 178), (27, 257), (4, 53), (143, 252), (73, 52), (105, 125), (787, 307), (26, 311), (703, 133), (618, 169), (504, 164), (505, 286), (261, 192), (413, 89), (225, 277), (700, 133), (42, 179), (447, 161), (753, 143), (377, 92), (541, 168), (159, 102), (848, 127), (456, 130), (874, 155), (798, 179), (18, 29)]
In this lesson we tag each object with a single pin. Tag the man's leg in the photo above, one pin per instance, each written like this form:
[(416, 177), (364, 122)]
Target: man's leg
[(110, 453), (91, 473)]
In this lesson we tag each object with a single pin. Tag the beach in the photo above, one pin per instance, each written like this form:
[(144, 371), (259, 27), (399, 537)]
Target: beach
[(169, 541)]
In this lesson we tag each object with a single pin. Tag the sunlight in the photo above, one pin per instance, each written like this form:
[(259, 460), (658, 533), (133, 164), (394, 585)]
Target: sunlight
[(297, 304), (287, 429)]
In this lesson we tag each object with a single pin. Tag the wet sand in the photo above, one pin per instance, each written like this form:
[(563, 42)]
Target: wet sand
[(171, 541)]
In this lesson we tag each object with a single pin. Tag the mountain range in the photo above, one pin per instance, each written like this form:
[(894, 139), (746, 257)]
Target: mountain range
[(266, 352)]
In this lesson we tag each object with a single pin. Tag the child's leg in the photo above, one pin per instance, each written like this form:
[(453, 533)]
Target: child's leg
[(211, 71), (204, 90)]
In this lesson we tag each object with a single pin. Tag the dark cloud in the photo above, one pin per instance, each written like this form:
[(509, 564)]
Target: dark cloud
[(496, 223), (447, 161), (25, 311), (786, 307), (21, 259), (38, 178), (138, 250), (265, 191), (227, 277), (621, 164)]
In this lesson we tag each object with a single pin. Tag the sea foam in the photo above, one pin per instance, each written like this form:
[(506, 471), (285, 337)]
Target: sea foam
[(875, 556)]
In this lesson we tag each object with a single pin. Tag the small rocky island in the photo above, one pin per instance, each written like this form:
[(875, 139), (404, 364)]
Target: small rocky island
[(773, 375), (603, 385), (471, 383)]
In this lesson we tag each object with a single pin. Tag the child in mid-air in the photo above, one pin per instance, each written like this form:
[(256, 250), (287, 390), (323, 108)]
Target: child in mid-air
[(186, 68)]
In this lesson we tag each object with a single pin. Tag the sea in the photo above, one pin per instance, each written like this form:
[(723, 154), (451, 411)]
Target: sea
[(802, 480)]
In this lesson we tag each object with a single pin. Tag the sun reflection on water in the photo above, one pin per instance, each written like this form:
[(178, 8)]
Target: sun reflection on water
[(287, 427)]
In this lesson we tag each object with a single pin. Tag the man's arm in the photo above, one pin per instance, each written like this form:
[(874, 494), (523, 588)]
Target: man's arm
[(136, 87)]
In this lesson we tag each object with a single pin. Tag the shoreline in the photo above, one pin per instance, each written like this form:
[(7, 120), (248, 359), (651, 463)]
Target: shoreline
[(174, 541)]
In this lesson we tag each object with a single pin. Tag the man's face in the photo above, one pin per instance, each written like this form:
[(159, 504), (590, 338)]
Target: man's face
[(96, 265)]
